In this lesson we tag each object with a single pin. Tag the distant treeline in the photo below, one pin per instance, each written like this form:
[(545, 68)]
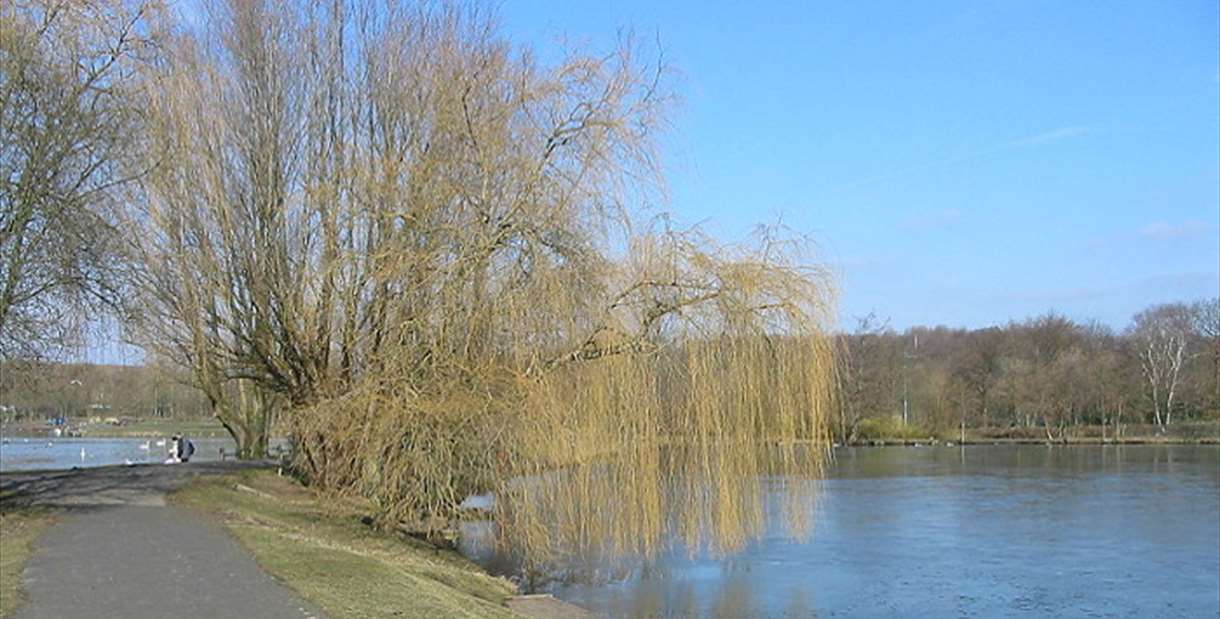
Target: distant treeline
[(1049, 373), (36, 390)]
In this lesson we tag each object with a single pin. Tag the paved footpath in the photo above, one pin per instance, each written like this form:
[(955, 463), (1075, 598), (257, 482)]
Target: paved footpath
[(120, 551)]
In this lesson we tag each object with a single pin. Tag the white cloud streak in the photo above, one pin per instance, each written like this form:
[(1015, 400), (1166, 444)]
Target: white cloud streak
[(1039, 139), (1050, 137), (1165, 231)]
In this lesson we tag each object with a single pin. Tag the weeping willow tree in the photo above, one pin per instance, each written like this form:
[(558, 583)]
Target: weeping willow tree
[(427, 246)]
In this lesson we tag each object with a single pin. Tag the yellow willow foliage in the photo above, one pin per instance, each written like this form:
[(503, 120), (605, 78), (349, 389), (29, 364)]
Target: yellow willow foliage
[(632, 440), (619, 457)]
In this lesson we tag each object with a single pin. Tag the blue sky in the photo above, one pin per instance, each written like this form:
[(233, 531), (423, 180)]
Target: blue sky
[(959, 163)]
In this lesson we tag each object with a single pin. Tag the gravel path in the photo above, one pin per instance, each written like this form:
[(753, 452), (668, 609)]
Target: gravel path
[(119, 551)]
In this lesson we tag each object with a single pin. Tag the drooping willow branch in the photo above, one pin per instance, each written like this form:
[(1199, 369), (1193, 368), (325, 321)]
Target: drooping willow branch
[(426, 246)]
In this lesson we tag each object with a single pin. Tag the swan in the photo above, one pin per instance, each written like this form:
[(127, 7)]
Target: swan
[(146, 446), (161, 443)]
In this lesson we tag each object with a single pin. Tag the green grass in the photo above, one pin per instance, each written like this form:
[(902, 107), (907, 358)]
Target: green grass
[(892, 429), (156, 427), (323, 551), (18, 530)]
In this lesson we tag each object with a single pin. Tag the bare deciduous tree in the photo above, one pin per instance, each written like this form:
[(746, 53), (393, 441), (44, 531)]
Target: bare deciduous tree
[(1206, 322), (868, 370), (66, 118), (979, 370), (1163, 335)]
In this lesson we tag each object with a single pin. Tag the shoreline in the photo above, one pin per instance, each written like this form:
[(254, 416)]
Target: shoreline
[(140, 428), (1069, 441), (6, 475), (285, 527), (288, 531)]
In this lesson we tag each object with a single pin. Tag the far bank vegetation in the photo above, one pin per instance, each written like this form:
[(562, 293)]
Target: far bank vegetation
[(1046, 378)]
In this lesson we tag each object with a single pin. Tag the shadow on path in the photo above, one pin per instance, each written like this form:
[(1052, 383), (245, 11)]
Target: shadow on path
[(141, 484), (119, 551)]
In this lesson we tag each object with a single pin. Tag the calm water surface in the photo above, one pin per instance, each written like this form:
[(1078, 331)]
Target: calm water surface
[(980, 531), (24, 454)]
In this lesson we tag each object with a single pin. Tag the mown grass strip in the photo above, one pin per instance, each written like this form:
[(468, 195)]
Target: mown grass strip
[(324, 552), (18, 531)]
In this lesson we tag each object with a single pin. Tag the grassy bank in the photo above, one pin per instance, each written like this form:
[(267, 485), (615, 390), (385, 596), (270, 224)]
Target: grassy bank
[(155, 427), (18, 530), (324, 552), (894, 432), (144, 427)]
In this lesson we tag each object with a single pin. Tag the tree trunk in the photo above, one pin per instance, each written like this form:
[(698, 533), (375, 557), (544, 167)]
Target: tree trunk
[(251, 439), (248, 421), (253, 446)]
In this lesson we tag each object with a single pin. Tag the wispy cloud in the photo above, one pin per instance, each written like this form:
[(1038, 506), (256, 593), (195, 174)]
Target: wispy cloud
[(1158, 287), (1053, 295), (856, 264), (1038, 139), (934, 220), (1050, 137), (1165, 231)]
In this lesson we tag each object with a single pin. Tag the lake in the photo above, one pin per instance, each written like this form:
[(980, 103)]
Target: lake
[(34, 453), (976, 531), (990, 531)]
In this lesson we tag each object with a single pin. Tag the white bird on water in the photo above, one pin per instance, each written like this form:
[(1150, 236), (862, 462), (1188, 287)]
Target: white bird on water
[(82, 454), (146, 446)]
